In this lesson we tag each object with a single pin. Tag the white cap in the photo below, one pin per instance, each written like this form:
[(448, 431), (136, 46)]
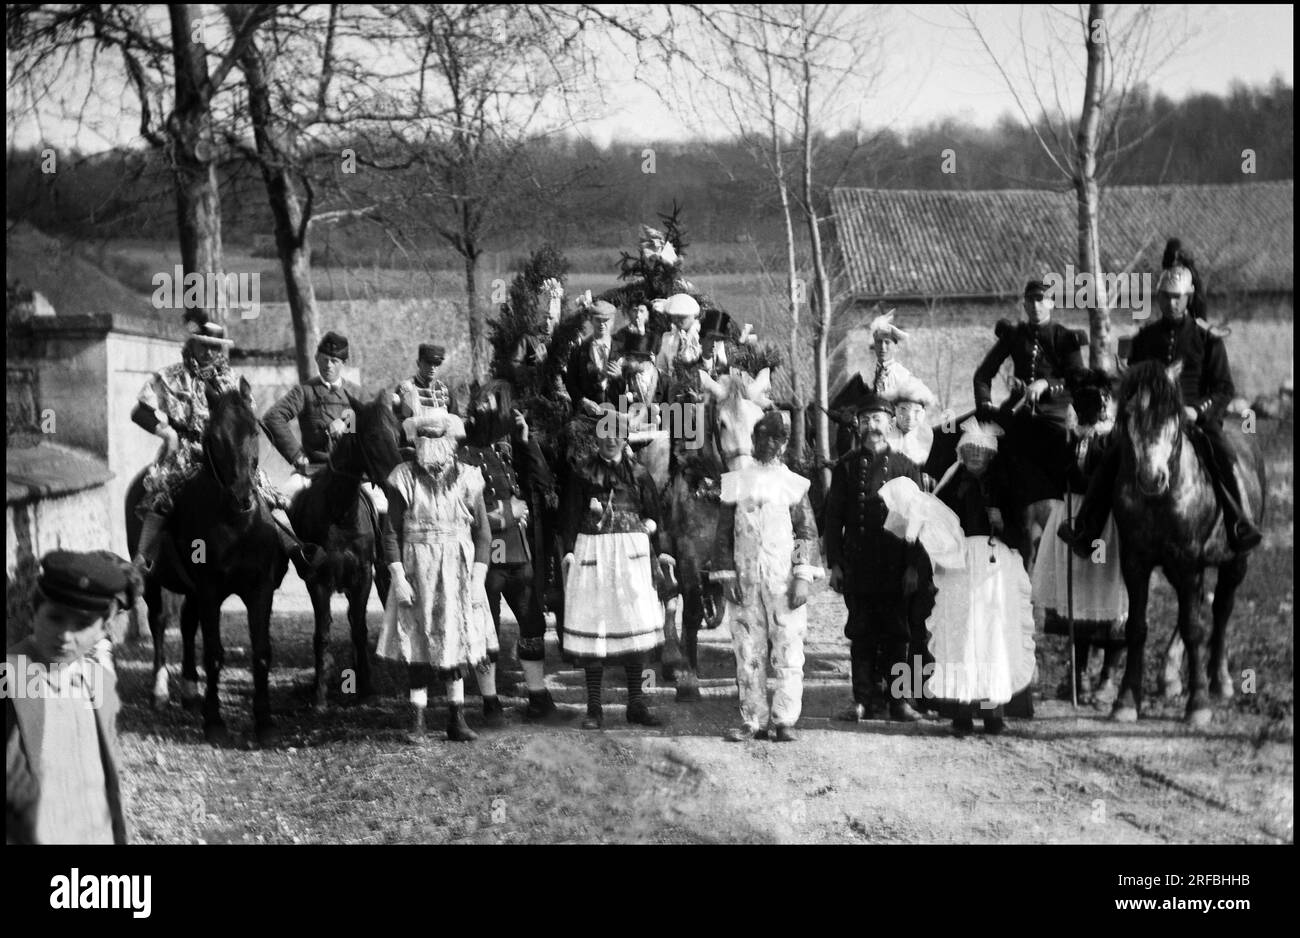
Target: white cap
[(975, 433), (681, 304)]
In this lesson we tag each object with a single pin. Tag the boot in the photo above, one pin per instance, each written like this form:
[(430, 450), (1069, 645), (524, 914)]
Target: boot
[(783, 734), (900, 708), (457, 729), (146, 551), (741, 734), (415, 735), (1241, 532), (494, 714), (964, 722), (595, 718), (903, 712), (307, 558), (854, 713), (994, 722), (540, 706), (638, 712), (862, 680)]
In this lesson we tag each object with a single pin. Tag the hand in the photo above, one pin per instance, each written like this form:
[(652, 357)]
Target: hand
[(565, 565), (591, 408), (732, 592), (300, 464), (522, 424), (400, 589), (1035, 390), (478, 580), (995, 520), (1192, 414), (799, 592), (337, 428), (171, 439), (613, 367), (910, 581), (836, 581)]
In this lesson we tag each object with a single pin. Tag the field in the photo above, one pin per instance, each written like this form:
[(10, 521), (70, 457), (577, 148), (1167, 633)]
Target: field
[(345, 776)]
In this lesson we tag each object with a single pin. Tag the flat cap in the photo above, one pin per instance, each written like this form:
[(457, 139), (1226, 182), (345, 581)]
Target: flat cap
[(334, 345), (89, 582)]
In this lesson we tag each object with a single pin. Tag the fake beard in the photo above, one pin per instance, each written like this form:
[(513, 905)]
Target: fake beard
[(435, 454)]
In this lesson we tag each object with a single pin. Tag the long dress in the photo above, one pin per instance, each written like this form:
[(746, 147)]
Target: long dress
[(982, 624), (612, 610), (449, 625), (1099, 602)]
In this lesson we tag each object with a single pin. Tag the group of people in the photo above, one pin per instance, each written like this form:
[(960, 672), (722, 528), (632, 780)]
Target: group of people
[(934, 572)]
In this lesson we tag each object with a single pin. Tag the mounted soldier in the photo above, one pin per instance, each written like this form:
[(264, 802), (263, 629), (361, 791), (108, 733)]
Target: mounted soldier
[(1207, 388), (175, 405), (1042, 354), (321, 407)]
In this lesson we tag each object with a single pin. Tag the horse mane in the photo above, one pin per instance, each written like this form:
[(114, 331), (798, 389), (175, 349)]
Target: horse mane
[(1164, 397), (230, 409)]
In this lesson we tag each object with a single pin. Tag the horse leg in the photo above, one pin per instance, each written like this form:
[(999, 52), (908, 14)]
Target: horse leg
[(209, 616), (672, 657), (320, 604), (1105, 686), (1192, 632), (158, 632), (357, 600), (191, 699), (1225, 596), (688, 677), (259, 633), (1137, 580), (1171, 674)]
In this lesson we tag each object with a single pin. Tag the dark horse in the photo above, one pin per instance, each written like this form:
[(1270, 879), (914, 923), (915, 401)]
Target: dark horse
[(331, 513), (1167, 516), (220, 541)]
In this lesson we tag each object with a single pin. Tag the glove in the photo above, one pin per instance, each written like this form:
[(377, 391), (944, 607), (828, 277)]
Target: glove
[(338, 427), (400, 589), (837, 579), (1035, 390), (1192, 414), (565, 565), (799, 591), (478, 579)]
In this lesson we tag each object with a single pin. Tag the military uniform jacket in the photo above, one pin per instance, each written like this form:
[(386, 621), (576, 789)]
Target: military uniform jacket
[(511, 469), (871, 559), (1206, 380), (315, 405), (1048, 351)]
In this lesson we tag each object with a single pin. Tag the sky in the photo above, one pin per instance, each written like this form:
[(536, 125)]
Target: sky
[(932, 67)]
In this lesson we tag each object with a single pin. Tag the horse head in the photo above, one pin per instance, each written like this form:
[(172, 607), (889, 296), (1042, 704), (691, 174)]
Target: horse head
[(375, 449), (739, 400), (1151, 417), (1093, 399), (231, 446)]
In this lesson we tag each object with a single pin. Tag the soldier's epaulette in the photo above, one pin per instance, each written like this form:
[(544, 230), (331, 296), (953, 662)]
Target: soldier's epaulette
[(1004, 328)]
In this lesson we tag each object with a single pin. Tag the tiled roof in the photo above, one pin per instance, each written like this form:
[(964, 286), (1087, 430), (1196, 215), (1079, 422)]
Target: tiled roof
[(897, 244)]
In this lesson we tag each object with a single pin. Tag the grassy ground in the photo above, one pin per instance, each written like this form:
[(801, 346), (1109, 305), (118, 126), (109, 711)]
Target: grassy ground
[(345, 776)]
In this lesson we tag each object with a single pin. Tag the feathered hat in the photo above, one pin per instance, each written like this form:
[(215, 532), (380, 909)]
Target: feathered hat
[(884, 325), (975, 433)]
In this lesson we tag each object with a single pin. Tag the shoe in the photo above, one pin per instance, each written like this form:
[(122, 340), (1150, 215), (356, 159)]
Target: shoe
[(494, 714), (595, 719), (457, 729), (540, 706), (783, 734), (639, 713), (902, 711), (856, 713), (994, 723), (963, 725), (415, 735), (743, 734)]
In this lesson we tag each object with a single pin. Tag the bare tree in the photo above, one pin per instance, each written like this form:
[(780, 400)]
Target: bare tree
[(1117, 55)]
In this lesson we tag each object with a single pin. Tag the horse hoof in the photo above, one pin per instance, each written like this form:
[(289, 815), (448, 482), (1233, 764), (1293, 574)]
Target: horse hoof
[(268, 736), (670, 674), (192, 704), (217, 735), (1199, 717), (1171, 691), (1222, 692), (1124, 715)]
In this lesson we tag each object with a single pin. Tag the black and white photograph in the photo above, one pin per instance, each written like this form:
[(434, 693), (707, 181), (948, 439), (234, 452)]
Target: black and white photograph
[(664, 424)]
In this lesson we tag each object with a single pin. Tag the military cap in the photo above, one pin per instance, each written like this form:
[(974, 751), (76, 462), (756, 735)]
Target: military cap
[(334, 345), (433, 354), (874, 403), (88, 582)]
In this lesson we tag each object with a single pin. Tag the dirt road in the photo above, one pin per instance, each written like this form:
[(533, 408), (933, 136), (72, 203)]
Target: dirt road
[(346, 776)]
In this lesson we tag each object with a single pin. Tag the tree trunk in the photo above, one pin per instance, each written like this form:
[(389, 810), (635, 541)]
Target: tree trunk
[(198, 200), (476, 326), (821, 304), (1089, 215), (291, 241), (792, 281)]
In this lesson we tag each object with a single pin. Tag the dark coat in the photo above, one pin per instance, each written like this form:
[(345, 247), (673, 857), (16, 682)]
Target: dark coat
[(315, 406), (970, 498), (1206, 379), (871, 559), (1050, 352), (583, 378), (626, 488), (511, 470)]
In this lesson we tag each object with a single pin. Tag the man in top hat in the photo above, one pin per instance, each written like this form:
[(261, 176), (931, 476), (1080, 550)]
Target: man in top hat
[(715, 330), (322, 407), (594, 366), (424, 394), (1042, 353), (1207, 390), (875, 570), (174, 405), (61, 750)]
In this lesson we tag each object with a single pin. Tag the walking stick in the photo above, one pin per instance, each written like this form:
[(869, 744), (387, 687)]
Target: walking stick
[(1069, 604)]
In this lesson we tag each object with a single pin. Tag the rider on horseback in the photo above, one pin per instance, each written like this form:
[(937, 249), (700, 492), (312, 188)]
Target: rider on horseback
[(321, 407), (1042, 353), (1207, 388), (175, 405)]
